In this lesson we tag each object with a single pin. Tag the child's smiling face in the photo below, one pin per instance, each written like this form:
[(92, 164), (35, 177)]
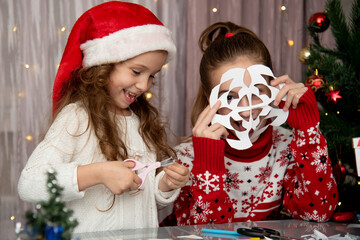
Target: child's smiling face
[(133, 77)]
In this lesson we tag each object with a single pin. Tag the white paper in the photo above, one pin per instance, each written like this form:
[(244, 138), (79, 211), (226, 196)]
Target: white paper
[(249, 93), (190, 237)]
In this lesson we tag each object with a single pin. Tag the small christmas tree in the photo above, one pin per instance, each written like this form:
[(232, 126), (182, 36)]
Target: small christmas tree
[(52, 220), (335, 79)]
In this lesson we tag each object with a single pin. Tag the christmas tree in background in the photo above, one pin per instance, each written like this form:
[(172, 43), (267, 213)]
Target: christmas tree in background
[(52, 220), (334, 76)]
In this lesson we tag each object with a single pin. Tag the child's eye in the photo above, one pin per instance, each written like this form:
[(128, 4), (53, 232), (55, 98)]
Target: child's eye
[(263, 89), (135, 72), (229, 98)]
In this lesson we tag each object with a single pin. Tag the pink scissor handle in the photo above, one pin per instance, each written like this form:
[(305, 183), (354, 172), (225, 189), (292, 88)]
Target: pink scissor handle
[(138, 165), (147, 169)]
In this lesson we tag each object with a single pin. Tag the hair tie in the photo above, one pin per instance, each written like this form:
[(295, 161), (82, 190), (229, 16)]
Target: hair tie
[(229, 34)]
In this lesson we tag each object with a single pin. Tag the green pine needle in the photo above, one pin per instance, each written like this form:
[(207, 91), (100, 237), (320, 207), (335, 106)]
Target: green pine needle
[(340, 68)]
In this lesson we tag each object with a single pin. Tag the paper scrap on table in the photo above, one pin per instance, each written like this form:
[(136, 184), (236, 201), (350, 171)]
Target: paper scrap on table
[(317, 235), (353, 225), (238, 93), (190, 237)]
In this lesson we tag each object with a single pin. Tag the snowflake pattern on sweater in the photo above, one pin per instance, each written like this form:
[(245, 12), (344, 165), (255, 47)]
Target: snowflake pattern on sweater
[(295, 176), (253, 190)]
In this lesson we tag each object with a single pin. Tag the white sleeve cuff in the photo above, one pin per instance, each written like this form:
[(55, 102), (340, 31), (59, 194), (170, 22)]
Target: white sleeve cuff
[(67, 177), (75, 183)]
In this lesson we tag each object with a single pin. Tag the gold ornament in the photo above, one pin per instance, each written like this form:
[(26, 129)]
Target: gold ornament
[(304, 54), (316, 82)]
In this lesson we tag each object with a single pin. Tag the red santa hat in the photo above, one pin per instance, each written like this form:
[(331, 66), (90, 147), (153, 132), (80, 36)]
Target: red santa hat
[(108, 33)]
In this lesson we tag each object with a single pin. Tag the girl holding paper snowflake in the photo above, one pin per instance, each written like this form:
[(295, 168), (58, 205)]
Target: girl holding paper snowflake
[(244, 167), (102, 117)]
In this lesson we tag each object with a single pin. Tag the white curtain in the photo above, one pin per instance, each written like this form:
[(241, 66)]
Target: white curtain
[(33, 36)]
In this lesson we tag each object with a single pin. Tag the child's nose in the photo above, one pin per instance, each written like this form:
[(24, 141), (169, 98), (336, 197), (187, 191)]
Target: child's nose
[(143, 84), (245, 114), (244, 102)]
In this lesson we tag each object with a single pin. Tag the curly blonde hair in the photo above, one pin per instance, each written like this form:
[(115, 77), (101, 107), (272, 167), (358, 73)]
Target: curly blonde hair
[(89, 87)]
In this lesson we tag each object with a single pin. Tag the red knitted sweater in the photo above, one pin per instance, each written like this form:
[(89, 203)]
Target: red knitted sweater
[(284, 170)]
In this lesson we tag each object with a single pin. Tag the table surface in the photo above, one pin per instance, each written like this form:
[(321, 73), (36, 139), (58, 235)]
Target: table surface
[(290, 228)]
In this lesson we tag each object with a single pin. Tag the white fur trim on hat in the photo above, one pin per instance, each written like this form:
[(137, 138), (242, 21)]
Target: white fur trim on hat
[(127, 43)]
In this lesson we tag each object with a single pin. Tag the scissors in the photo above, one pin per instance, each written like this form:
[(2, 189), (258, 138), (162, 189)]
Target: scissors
[(148, 167), (262, 233)]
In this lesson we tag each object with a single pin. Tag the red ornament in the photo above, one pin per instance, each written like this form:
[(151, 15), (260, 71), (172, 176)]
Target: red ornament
[(315, 82), (339, 172), (319, 21), (333, 95)]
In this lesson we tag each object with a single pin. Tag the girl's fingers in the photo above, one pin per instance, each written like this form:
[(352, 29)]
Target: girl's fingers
[(300, 91), (129, 164), (202, 115), (134, 186), (281, 94), (173, 175), (177, 175), (208, 117), (215, 131), (137, 180), (293, 93), (218, 130), (222, 132), (175, 180), (201, 128), (282, 79), (283, 91), (178, 168)]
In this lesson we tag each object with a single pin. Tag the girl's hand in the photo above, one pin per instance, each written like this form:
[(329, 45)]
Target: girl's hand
[(117, 176), (176, 176), (202, 128), (294, 91)]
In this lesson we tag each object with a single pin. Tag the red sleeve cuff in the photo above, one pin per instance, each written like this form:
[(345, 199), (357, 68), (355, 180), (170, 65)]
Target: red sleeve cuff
[(306, 113), (208, 154)]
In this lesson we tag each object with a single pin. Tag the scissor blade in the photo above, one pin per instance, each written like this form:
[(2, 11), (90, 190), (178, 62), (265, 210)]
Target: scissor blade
[(167, 162)]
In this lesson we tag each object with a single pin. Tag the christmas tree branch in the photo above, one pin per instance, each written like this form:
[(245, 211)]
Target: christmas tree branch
[(339, 27), (51, 214)]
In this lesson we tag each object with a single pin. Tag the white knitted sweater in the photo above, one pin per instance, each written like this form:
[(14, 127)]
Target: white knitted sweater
[(68, 144)]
